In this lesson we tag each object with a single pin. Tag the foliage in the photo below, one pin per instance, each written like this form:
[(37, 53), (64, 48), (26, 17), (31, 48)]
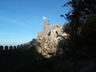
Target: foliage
[(78, 29), (49, 33)]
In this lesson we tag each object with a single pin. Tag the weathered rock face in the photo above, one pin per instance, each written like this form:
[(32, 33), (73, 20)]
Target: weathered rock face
[(49, 40)]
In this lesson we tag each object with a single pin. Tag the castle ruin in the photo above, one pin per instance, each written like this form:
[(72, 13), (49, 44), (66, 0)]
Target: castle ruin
[(46, 25)]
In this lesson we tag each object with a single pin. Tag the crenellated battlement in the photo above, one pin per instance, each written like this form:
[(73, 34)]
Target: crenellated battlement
[(7, 48), (12, 48)]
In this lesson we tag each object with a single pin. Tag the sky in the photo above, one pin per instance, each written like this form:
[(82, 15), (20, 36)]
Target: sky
[(21, 20)]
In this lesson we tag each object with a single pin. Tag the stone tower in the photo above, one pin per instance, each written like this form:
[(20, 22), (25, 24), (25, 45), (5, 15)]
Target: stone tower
[(46, 25)]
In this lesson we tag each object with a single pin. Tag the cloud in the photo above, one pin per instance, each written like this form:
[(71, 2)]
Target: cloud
[(9, 43), (7, 33), (16, 21)]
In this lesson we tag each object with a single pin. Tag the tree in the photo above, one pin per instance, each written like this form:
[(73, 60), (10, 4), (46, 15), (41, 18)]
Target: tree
[(79, 15)]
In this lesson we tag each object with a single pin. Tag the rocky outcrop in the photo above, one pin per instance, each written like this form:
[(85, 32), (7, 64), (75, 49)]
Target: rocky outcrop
[(49, 40)]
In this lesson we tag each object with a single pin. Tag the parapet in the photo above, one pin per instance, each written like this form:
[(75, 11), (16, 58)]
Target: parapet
[(46, 25)]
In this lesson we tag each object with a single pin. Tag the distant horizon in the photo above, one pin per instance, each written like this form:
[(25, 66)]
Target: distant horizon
[(21, 20), (13, 43)]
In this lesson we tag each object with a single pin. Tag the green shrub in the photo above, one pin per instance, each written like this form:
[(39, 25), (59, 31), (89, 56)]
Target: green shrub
[(49, 33)]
